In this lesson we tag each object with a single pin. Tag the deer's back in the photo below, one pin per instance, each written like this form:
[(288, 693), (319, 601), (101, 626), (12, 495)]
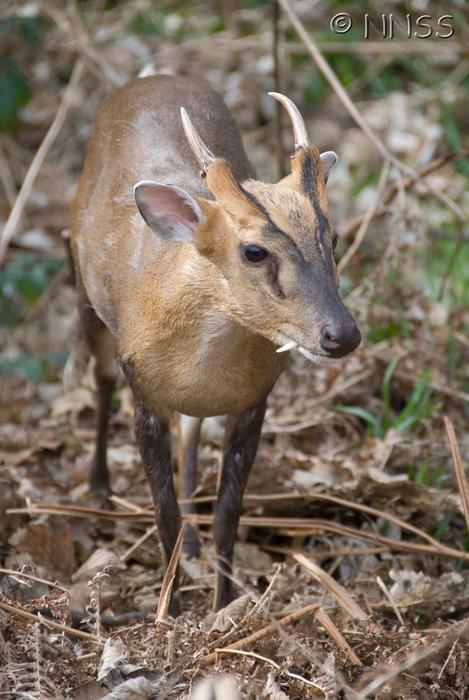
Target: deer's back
[(139, 136)]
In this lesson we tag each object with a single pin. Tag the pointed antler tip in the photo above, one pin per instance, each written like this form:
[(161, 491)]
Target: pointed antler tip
[(202, 153), (299, 128)]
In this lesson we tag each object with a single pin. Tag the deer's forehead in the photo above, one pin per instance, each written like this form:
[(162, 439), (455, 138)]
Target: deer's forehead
[(289, 210)]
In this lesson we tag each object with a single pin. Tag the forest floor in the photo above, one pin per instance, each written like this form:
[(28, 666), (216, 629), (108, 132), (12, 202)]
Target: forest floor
[(353, 548)]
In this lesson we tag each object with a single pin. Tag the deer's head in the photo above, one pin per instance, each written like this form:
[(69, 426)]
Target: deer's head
[(272, 243)]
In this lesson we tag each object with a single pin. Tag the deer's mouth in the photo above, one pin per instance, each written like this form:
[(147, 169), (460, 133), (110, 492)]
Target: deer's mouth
[(316, 358)]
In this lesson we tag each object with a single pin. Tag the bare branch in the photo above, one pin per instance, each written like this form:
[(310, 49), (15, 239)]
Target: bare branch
[(341, 93)]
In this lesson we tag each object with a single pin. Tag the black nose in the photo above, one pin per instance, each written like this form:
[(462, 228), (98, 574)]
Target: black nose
[(339, 340)]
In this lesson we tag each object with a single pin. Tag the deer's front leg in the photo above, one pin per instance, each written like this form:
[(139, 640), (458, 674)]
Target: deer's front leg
[(239, 450), (154, 442)]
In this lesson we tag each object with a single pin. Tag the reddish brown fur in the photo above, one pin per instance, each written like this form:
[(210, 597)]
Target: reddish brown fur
[(196, 326)]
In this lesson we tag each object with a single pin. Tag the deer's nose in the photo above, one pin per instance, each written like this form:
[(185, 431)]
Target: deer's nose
[(341, 339)]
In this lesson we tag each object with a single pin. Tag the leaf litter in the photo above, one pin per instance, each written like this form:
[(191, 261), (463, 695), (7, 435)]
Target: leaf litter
[(349, 483)]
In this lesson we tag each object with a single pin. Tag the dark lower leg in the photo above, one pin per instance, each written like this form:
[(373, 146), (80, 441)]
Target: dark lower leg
[(99, 475), (189, 431), (154, 443), (102, 346), (240, 447)]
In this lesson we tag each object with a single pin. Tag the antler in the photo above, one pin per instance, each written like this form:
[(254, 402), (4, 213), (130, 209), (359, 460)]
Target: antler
[(203, 154), (299, 128)]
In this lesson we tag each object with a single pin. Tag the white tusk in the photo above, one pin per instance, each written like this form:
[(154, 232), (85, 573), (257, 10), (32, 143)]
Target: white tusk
[(288, 346), (308, 354)]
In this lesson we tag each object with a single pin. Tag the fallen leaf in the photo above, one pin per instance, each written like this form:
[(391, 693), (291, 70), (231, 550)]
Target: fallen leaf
[(97, 562), (226, 617), (50, 545)]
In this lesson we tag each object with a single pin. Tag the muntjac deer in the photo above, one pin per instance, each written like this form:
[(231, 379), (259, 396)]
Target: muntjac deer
[(202, 288)]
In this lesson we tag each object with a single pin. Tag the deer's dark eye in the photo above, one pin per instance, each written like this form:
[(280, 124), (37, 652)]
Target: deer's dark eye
[(335, 240), (254, 254)]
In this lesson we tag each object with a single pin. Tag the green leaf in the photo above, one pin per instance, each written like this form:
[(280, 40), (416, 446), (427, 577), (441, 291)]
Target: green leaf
[(22, 282), (27, 366), (14, 91)]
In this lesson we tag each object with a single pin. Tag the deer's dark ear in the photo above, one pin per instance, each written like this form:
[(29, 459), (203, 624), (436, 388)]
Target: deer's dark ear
[(328, 160), (168, 210)]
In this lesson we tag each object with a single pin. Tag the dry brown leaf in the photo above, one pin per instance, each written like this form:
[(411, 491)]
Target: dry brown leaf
[(272, 690), (96, 562), (114, 654), (73, 402), (232, 613), (49, 544), (139, 688), (251, 560), (14, 459)]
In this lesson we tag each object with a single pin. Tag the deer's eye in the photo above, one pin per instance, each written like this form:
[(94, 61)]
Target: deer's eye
[(254, 254), (335, 240)]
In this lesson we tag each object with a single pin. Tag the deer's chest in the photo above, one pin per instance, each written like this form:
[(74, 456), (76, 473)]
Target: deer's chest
[(224, 371)]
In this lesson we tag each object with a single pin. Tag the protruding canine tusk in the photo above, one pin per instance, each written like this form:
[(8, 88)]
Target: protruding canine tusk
[(203, 154), (308, 354), (299, 128), (288, 346)]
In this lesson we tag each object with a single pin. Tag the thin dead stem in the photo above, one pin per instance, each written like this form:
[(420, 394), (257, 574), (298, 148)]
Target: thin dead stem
[(41, 154), (459, 472), (332, 587), (19, 574), (370, 213), (48, 623), (271, 662), (393, 190), (267, 631), (168, 580), (341, 93), (396, 669)]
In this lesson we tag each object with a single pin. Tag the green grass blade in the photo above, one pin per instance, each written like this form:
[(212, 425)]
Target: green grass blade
[(365, 415), (386, 392)]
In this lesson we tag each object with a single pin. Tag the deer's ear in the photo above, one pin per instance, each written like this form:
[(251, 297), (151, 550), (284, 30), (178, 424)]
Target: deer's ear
[(168, 210), (328, 160)]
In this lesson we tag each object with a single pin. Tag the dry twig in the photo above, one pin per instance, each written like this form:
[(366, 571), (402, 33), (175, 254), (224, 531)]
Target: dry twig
[(30, 577), (267, 631), (341, 93), (305, 526), (370, 213), (333, 587), (420, 655), (36, 164), (168, 580), (355, 222), (390, 599), (274, 664), (459, 472), (49, 623)]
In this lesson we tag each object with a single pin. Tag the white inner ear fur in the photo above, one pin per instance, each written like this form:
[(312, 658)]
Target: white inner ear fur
[(168, 210), (328, 159)]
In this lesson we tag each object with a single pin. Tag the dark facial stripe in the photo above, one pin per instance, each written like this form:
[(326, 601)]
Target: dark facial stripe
[(271, 227), (309, 184)]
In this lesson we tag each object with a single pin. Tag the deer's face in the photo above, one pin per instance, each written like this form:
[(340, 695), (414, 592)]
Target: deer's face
[(277, 255)]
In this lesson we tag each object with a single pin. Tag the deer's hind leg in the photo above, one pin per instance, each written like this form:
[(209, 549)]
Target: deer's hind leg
[(189, 433), (102, 346)]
